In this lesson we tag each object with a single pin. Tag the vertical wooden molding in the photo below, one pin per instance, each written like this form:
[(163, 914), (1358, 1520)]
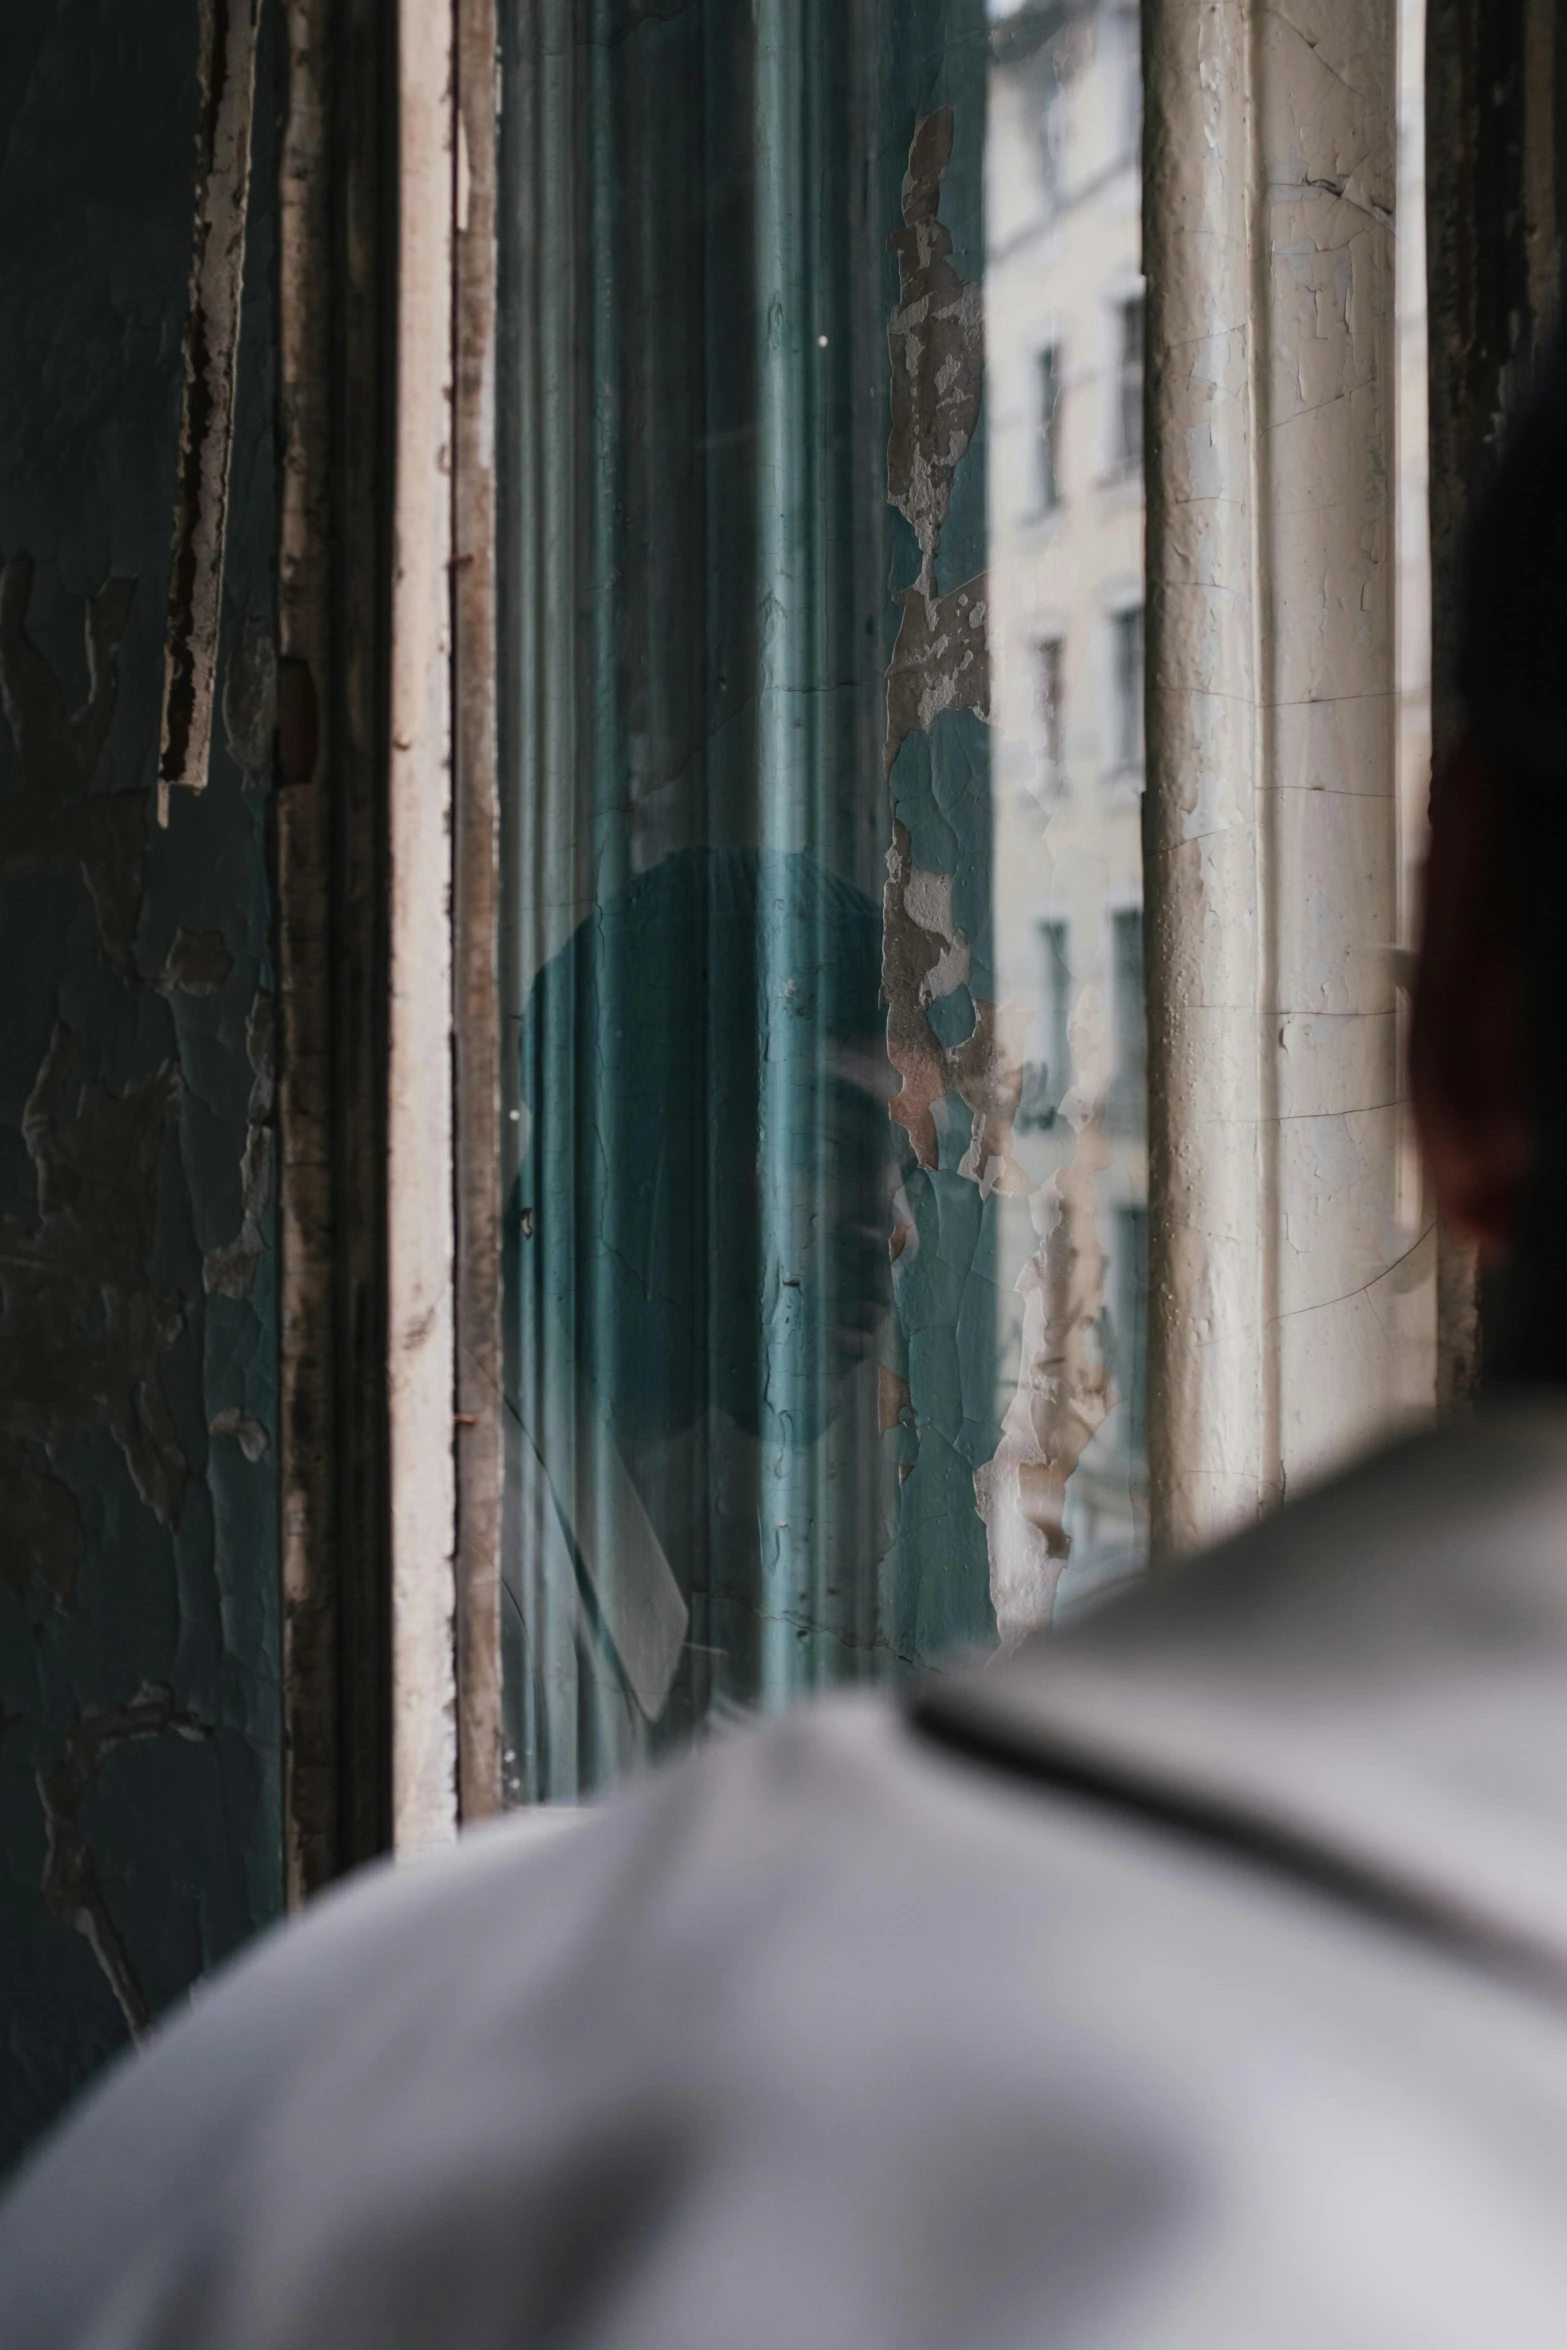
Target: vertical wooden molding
[(1208, 1308), (420, 1203), (1290, 1311), (307, 1343), (476, 875)]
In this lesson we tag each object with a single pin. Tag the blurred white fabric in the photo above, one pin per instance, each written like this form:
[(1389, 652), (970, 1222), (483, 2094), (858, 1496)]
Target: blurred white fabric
[(1225, 2005)]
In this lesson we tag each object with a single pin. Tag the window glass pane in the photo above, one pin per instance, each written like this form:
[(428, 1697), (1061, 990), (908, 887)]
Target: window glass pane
[(1049, 430), (821, 717), (1069, 1480)]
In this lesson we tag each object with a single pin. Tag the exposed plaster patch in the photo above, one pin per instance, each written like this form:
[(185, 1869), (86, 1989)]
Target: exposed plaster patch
[(251, 1435), (937, 342), (250, 701), (1060, 1401), (941, 661), (941, 664), (936, 338), (53, 822), (231, 1271), (925, 957), (82, 1325), (198, 964), (227, 77), (70, 1879), (894, 1400)]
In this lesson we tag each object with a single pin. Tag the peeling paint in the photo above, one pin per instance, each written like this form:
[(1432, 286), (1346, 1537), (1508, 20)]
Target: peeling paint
[(1061, 1398), (53, 822), (939, 671), (925, 958), (941, 661), (198, 963), (250, 701), (250, 1434), (231, 1271), (139, 1571), (70, 1878), (940, 667), (227, 76), (83, 1326), (937, 341)]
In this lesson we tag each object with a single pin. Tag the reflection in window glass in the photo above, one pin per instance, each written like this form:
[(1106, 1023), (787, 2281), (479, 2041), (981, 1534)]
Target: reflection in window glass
[(825, 1275), (1069, 1481), (1129, 384), (1049, 430), (1126, 634), (1052, 656)]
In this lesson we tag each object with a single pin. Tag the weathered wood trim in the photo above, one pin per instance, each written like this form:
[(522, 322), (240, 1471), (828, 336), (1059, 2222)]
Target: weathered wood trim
[(420, 1203), (228, 33), (476, 877), (307, 1351), (335, 289), (1285, 1296)]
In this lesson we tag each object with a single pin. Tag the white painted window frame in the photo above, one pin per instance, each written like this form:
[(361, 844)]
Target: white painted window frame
[(1251, 127), (1288, 1314)]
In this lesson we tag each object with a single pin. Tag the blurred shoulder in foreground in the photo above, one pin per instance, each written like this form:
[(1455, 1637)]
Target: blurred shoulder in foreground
[(1198, 1979)]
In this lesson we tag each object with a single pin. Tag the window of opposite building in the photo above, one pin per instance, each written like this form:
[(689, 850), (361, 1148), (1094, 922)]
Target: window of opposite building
[(1049, 454), (1129, 382), (1126, 689), (1050, 735)]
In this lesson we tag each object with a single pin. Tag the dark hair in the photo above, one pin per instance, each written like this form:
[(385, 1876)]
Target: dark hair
[(1512, 661), (643, 1051), (1512, 680)]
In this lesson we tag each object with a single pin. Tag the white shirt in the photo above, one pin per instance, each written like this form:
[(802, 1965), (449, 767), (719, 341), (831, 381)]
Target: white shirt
[(1217, 1999)]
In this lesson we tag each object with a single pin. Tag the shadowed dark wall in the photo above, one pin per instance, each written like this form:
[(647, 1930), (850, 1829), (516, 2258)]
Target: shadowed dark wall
[(139, 1701)]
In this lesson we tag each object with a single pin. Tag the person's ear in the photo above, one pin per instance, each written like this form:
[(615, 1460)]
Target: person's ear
[(1469, 1047)]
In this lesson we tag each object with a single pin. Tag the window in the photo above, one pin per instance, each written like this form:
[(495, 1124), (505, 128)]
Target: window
[(1049, 1073), (775, 948), (1128, 1085), (828, 1211), (1126, 685), (1127, 66), (1131, 1331), (1129, 383), (1052, 666), (1049, 430)]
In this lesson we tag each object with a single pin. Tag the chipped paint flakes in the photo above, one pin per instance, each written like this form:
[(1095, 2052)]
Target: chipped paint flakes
[(230, 1271), (54, 822), (84, 1327), (70, 1877), (227, 75)]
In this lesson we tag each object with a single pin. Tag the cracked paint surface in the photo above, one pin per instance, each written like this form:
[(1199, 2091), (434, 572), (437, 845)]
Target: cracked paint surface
[(1282, 1222), (956, 1063), (139, 1764)]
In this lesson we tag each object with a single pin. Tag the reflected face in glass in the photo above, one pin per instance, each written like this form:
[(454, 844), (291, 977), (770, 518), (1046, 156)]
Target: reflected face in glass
[(711, 1162), (861, 1178)]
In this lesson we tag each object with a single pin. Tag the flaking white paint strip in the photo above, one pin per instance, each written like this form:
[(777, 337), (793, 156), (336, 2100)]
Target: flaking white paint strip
[(421, 1323), (227, 82)]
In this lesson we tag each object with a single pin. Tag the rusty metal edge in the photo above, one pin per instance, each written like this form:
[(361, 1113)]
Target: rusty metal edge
[(476, 875)]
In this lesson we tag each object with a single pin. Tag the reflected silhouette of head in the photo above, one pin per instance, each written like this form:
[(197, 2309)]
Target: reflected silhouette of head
[(709, 1153)]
